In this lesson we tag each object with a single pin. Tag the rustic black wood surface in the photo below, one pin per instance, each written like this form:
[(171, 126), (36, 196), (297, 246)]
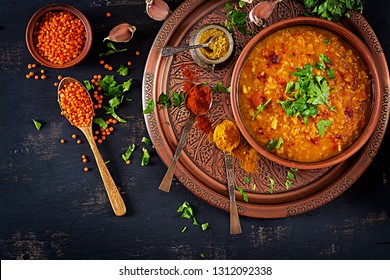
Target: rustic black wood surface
[(51, 209)]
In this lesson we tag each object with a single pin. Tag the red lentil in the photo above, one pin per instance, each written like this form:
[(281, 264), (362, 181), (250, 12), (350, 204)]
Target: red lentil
[(59, 37), (76, 104)]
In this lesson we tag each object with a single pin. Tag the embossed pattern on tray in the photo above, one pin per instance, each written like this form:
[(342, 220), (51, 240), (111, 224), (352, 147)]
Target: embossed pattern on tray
[(201, 167)]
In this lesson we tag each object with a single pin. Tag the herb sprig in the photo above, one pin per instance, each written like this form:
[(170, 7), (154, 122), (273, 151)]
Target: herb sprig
[(308, 91), (333, 9)]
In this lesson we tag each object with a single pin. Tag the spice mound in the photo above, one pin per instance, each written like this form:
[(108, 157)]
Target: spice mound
[(198, 99), (226, 136), (76, 104), (218, 48), (59, 37)]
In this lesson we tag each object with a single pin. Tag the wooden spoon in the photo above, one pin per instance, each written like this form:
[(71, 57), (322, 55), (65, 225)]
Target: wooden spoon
[(166, 182), (114, 196)]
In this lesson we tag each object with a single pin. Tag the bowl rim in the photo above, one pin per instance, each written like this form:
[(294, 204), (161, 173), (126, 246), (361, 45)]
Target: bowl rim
[(38, 15), (359, 48)]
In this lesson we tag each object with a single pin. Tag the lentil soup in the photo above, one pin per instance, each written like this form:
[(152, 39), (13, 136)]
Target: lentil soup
[(269, 97)]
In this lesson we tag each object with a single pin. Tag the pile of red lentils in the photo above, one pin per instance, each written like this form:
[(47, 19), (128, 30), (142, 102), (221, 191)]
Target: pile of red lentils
[(59, 37), (76, 104)]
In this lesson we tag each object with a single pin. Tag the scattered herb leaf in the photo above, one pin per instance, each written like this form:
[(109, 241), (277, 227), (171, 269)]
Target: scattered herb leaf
[(288, 184), (111, 50), (88, 85), (146, 140), (243, 193), (184, 229), (205, 226), (219, 88), (235, 18), (37, 124), (290, 175), (149, 108), (248, 179), (326, 41), (332, 9), (195, 222), (260, 108), (129, 151), (100, 122), (275, 143), (254, 186), (322, 125), (123, 70), (107, 161), (294, 169), (271, 184), (145, 157)]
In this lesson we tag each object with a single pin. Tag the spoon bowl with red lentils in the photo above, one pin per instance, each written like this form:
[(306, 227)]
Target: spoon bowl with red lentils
[(76, 105), (58, 36)]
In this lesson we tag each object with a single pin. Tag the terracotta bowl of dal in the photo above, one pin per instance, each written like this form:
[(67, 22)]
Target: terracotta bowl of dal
[(266, 97), (31, 36)]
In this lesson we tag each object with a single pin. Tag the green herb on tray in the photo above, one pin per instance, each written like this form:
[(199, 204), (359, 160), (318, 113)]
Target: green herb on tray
[(332, 10)]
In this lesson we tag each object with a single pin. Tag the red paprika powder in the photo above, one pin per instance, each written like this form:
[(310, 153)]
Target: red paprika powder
[(198, 99)]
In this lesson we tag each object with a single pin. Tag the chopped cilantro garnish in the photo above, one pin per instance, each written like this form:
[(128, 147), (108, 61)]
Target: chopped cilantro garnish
[(149, 108), (275, 143), (326, 41), (235, 18), (205, 226), (123, 70), (146, 140), (145, 157), (219, 88), (88, 85), (308, 91), (288, 184), (322, 125), (129, 151), (290, 175), (37, 124), (111, 49), (260, 108), (100, 122), (271, 184), (243, 193), (248, 179)]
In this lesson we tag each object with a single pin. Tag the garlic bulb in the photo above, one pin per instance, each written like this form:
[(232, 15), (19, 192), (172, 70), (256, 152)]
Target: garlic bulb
[(157, 9), (262, 11), (121, 33)]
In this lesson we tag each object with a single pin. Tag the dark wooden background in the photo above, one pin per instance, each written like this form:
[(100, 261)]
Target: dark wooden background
[(51, 209)]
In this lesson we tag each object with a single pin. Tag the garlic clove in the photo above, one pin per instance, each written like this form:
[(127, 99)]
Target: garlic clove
[(157, 9), (262, 11), (248, 1), (121, 33)]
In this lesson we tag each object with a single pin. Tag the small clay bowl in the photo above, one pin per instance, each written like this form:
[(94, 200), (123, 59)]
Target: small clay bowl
[(197, 55), (37, 17), (361, 50)]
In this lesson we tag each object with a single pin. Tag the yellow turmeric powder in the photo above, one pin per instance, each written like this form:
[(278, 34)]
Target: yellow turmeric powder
[(226, 136), (218, 48), (248, 156)]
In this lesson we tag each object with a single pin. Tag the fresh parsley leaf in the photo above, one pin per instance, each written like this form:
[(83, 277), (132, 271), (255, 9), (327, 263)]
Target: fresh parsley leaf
[(186, 210), (195, 222), (88, 85), (205, 226), (288, 184), (100, 122), (330, 73), (146, 140), (164, 100), (248, 179), (178, 98), (111, 111), (326, 41), (275, 143), (332, 9), (271, 184), (219, 88), (260, 108), (289, 86), (241, 4), (127, 85), (235, 18), (243, 193), (322, 125), (123, 70), (126, 155), (149, 108), (290, 175), (294, 169), (145, 157), (37, 124), (111, 50)]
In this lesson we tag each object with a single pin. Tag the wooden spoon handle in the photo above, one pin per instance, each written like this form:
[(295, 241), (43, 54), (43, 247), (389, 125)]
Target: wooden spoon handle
[(114, 196), (235, 226)]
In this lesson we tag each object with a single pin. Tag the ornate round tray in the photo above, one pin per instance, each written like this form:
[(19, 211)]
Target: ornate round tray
[(201, 166)]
